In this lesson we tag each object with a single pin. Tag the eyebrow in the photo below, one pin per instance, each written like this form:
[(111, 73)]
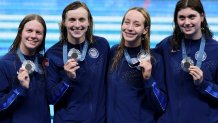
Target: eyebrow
[(187, 16)]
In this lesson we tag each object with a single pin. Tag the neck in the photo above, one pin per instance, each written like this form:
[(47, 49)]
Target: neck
[(194, 36), (132, 44), (26, 51), (76, 40)]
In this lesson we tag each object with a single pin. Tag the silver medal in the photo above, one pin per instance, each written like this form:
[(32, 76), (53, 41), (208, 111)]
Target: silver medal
[(135, 62), (143, 55), (186, 63), (29, 66), (74, 54)]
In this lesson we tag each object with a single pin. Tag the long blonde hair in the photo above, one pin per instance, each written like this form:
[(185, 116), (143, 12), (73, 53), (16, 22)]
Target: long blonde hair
[(145, 37)]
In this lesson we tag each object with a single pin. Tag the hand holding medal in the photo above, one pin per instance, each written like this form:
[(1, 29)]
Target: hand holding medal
[(134, 62), (143, 55), (70, 67), (23, 77), (145, 64), (197, 74)]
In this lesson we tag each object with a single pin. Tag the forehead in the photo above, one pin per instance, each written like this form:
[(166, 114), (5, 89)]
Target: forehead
[(77, 13), (34, 24), (187, 11), (135, 16)]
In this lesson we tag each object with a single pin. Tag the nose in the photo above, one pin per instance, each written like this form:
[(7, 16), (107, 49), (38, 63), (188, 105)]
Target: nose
[(33, 34), (77, 23), (130, 27), (187, 21)]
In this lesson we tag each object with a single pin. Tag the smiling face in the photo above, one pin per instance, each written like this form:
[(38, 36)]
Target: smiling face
[(189, 22), (31, 37), (132, 28), (77, 24)]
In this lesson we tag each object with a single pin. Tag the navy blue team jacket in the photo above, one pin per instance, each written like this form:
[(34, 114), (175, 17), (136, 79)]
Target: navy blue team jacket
[(81, 100), (189, 103), (131, 99), (18, 104)]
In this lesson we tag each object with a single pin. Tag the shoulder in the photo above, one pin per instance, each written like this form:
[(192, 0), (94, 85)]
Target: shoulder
[(54, 50), (163, 45), (8, 60), (114, 48), (100, 44), (212, 41), (156, 56), (101, 41), (54, 47), (9, 56), (164, 42)]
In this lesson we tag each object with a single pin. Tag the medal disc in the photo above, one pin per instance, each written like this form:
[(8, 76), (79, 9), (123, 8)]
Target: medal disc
[(29, 66), (186, 63), (143, 55), (74, 54)]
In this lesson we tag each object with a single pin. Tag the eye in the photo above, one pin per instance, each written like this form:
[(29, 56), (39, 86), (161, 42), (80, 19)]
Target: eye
[(82, 19), (181, 17), (72, 19), (39, 32), (29, 30), (126, 22), (192, 17), (137, 25)]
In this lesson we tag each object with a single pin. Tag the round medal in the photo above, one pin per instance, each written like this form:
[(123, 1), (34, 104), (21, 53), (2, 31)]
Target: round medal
[(29, 66), (143, 55), (135, 62), (74, 54), (186, 63)]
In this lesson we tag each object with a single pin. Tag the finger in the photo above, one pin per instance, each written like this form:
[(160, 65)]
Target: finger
[(143, 63), (74, 69), (71, 60), (197, 71), (72, 65), (23, 77), (196, 75), (193, 75), (146, 66)]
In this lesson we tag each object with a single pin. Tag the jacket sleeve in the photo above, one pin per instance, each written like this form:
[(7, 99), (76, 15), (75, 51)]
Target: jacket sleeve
[(209, 86), (155, 87), (57, 85), (9, 96)]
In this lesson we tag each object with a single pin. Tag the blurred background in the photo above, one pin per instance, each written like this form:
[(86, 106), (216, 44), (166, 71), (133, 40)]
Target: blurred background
[(107, 16)]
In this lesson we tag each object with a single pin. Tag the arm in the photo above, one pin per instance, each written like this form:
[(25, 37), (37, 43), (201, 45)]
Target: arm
[(155, 86), (57, 82), (208, 87), (11, 92)]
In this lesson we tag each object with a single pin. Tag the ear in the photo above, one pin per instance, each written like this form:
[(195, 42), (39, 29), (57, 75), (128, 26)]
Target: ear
[(145, 30)]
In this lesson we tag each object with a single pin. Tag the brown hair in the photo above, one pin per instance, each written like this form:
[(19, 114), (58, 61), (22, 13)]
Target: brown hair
[(17, 40), (177, 34), (73, 6)]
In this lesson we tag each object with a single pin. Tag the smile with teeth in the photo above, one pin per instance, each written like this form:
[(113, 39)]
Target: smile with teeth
[(187, 28), (33, 42), (129, 34)]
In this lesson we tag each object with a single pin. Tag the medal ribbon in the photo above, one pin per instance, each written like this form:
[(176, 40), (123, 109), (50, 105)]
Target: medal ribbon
[(200, 53), (22, 59), (128, 59), (83, 55)]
